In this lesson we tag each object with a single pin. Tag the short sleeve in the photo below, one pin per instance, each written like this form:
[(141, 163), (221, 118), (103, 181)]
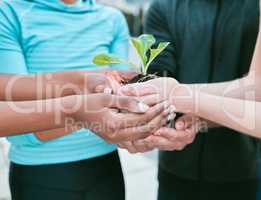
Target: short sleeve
[(120, 44), (11, 54)]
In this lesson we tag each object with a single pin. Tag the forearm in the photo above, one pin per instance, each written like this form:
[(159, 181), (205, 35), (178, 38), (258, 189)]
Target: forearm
[(240, 115), (56, 133), (40, 86), (245, 88), (33, 116)]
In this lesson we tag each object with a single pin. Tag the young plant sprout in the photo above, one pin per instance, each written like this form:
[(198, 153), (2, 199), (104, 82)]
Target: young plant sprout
[(144, 49), (146, 54)]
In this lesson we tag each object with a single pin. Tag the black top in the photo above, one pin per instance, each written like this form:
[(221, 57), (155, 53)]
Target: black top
[(212, 41)]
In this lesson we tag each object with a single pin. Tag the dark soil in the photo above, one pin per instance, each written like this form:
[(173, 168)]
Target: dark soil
[(142, 78)]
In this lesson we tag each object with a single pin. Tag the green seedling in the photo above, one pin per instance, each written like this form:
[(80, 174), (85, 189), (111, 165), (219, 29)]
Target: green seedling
[(143, 46)]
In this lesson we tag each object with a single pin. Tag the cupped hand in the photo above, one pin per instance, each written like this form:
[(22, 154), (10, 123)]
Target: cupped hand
[(101, 114), (181, 96), (161, 86), (85, 82), (108, 81), (168, 139)]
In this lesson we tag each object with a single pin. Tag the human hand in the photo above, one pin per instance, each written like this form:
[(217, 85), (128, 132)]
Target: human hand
[(161, 86), (108, 81), (168, 139), (85, 82), (181, 96), (100, 113)]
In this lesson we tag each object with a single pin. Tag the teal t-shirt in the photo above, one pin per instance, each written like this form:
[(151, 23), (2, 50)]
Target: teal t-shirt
[(45, 36)]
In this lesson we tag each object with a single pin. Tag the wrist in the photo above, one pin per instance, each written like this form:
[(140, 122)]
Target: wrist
[(69, 106), (76, 105), (183, 98), (72, 82)]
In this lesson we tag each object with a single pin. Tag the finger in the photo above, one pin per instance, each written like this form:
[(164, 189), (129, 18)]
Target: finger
[(151, 100), (130, 134), (128, 103), (171, 116), (184, 122), (103, 82), (113, 83), (140, 132), (172, 134), (166, 145), (125, 120), (149, 141), (127, 75), (129, 147), (157, 123), (185, 137), (142, 146), (114, 74), (138, 89), (180, 125), (103, 89), (192, 133)]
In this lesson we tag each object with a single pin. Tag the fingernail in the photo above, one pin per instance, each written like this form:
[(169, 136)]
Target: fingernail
[(166, 112), (157, 133), (166, 104), (143, 107), (171, 117), (173, 108), (108, 90), (179, 125)]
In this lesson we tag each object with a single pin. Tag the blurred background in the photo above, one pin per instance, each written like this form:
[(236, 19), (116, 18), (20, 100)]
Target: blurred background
[(133, 10), (139, 170)]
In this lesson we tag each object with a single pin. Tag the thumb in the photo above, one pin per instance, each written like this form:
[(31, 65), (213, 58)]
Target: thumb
[(128, 103), (127, 75), (103, 89), (109, 87), (137, 89), (183, 122)]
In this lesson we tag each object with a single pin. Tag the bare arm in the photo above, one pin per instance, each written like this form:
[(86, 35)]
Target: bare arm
[(241, 115), (30, 116), (46, 86), (92, 111)]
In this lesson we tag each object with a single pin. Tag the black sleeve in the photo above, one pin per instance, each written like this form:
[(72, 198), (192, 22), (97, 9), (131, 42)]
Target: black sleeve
[(156, 23)]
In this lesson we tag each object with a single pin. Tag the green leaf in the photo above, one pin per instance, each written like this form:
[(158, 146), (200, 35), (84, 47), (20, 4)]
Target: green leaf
[(142, 45), (154, 53), (148, 41), (107, 59), (139, 47)]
